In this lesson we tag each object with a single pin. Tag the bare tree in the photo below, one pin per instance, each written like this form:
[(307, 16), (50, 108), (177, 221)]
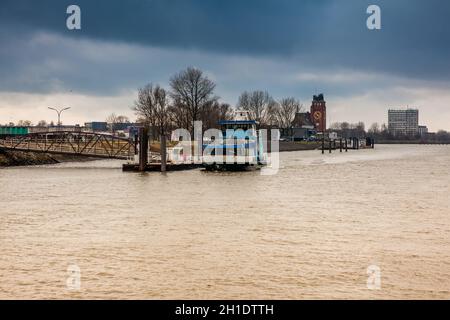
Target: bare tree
[(152, 105), (111, 120), (384, 131), (24, 123), (336, 126), (374, 128), (360, 127), (161, 109), (260, 106), (213, 112), (42, 123), (179, 114), (285, 112), (192, 91), (345, 126), (144, 105), (225, 111), (443, 136), (123, 119)]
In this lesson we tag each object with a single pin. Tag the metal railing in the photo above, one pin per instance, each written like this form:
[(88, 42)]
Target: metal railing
[(78, 143)]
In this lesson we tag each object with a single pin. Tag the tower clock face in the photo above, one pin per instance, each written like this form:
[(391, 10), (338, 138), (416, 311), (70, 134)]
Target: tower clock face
[(317, 115)]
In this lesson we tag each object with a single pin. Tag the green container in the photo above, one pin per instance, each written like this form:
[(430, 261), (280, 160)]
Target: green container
[(13, 131)]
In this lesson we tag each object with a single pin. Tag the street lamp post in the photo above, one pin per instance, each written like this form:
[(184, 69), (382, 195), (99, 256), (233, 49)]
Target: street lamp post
[(59, 113)]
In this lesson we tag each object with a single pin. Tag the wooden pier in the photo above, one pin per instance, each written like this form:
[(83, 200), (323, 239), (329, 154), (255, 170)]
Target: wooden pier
[(346, 144), (153, 167), (141, 150)]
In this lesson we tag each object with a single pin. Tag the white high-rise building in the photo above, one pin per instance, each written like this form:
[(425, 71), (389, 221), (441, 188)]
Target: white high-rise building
[(403, 122)]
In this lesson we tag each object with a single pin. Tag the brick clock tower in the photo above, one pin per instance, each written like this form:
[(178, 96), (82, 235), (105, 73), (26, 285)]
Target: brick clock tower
[(319, 113)]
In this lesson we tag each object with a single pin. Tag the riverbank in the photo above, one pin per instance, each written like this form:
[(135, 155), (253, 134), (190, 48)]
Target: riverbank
[(19, 158), (288, 146), (409, 142)]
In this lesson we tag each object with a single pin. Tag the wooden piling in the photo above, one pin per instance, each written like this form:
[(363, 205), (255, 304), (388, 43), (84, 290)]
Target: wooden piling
[(323, 144), (163, 153), (143, 149)]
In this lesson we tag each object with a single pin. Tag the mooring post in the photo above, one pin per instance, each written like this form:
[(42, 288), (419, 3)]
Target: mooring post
[(143, 149), (163, 153), (323, 144), (136, 139)]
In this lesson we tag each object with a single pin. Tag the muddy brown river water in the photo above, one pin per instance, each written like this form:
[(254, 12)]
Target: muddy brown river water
[(310, 231)]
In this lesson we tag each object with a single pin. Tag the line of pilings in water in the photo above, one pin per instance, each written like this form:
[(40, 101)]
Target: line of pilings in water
[(141, 142), (346, 144), (141, 148)]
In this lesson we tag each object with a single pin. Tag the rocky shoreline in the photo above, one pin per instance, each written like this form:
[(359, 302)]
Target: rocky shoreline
[(10, 158), (17, 158)]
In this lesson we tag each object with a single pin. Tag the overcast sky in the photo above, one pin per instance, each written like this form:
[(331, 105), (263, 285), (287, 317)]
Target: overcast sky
[(288, 47)]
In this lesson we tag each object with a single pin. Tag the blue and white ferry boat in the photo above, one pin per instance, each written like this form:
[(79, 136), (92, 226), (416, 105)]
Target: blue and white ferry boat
[(240, 146)]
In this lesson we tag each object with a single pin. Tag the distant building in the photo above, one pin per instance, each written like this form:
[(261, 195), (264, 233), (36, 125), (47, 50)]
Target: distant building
[(133, 131), (38, 129), (96, 126), (403, 122), (67, 128), (302, 119), (423, 131), (316, 118), (307, 124), (319, 113), (120, 126), (297, 134)]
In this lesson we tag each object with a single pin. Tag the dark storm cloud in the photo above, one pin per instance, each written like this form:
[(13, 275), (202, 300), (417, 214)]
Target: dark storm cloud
[(328, 33)]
